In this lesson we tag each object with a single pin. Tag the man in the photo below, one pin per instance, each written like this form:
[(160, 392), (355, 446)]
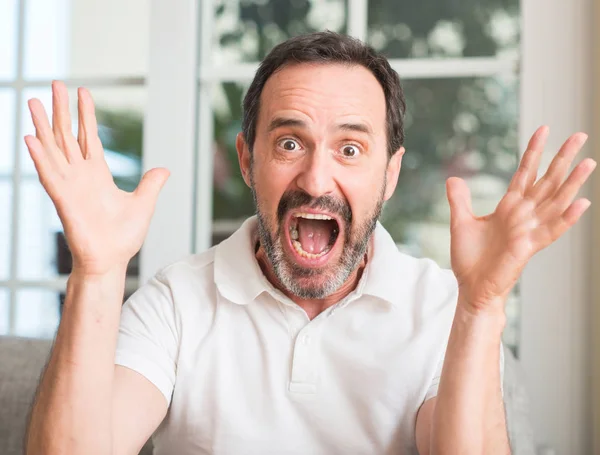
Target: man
[(306, 332)]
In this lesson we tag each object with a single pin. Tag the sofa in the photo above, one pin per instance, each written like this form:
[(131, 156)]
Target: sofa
[(22, 360)]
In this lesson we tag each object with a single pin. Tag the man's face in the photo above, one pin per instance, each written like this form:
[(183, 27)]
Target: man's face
[(319, 173)]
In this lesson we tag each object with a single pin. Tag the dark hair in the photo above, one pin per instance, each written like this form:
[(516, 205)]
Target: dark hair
[(328, 47)]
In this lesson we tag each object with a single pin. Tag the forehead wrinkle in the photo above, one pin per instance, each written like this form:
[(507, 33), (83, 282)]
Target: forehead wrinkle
[(300, 93), (345, 116)]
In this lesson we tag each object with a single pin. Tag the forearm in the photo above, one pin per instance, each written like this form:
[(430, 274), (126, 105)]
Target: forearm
[(72, 409), (469, 414)]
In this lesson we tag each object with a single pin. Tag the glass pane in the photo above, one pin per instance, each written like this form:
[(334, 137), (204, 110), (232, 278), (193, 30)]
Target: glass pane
[(246, 30), (4, 311), (7, 132), (39, 231), (5, 225), (8, 38), (86, 38), (37, 313), (232, 200), (454, 127), (446, 28), (42, 248)]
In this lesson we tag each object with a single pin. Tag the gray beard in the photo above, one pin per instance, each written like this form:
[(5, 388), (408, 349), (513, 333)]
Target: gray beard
[(287, 273)]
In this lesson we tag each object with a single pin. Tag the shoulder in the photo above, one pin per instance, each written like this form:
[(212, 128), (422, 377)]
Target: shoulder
[(185, 282), (194, 266)]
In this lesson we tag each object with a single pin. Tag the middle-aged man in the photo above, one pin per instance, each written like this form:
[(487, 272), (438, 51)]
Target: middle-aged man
[(306, 332)]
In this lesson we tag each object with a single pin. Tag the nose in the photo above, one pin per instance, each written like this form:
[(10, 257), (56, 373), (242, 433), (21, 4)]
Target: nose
[(316, 176)]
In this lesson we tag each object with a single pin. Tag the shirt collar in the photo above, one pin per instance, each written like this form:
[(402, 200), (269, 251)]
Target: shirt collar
[(383, 277), (239, 278)]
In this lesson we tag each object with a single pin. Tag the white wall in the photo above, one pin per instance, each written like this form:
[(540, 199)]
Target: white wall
[(556, 333)]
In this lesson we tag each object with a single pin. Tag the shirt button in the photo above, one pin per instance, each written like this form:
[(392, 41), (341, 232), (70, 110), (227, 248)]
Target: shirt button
[(306, 340)]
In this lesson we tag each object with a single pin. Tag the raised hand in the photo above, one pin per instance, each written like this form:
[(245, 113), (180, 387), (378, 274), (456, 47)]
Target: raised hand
[(104, 226), (489, 253)]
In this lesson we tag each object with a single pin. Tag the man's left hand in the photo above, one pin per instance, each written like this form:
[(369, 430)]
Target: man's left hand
[(489, 252)]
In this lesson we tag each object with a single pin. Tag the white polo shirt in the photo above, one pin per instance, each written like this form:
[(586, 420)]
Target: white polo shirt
[(246, 372)]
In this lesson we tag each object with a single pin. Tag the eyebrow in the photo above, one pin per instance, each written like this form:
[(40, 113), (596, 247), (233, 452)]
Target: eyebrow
[(279, 122), (360, 127)]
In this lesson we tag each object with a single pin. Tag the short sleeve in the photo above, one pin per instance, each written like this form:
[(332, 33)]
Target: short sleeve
[(432, 391), (148, 338)]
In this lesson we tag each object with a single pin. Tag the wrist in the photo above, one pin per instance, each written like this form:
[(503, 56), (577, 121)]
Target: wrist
[(489, 313), (80, 271), (115, 274)]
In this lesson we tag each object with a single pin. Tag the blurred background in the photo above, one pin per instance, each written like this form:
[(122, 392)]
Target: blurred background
[(168, 79)]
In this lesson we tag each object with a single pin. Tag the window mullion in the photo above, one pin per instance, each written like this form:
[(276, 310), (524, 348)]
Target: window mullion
[(16, 190), (357, 19)]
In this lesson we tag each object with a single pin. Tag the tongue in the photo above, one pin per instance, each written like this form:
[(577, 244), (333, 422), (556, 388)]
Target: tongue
[(313, 235)]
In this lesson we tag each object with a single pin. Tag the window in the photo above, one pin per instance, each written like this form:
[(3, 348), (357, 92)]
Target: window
[(459, 66), (80, 43)]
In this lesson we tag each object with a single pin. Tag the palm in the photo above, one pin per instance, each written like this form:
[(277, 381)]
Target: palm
[(488, 253), (104, 226)]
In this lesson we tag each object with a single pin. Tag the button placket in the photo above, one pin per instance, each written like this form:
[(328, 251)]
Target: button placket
[(305, 360)]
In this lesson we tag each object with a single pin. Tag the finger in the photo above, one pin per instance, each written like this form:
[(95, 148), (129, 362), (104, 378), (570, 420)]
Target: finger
[(61, 123), (44, 133), (526, 173), (43, 163), (551, 232), (556, 205), (554, 177), (151, 184), (87, 132), (459, 198)]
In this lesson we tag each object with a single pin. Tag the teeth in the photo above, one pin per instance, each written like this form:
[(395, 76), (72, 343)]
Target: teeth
[(313, 216), (301, 252), (294, 233)]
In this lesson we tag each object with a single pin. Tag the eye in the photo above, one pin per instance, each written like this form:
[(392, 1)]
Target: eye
[(350, 151), (289, 145)]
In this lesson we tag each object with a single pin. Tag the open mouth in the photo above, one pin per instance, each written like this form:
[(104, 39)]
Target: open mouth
[(313, 235)]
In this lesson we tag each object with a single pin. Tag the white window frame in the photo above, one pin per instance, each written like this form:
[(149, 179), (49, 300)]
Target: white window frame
[(19, 84), (554, 299)]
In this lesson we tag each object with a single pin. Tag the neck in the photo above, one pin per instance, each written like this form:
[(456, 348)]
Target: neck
[(312, 307)]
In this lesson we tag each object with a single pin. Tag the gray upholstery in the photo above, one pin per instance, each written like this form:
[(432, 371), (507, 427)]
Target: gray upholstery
[(21, 363), (22, 360)]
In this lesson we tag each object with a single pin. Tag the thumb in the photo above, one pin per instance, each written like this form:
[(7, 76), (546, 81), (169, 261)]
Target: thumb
[(459, 198), (151, 184)]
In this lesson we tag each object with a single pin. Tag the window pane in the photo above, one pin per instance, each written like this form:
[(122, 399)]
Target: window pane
[(86, 38), (232, 200), (37, 313), (119, 110), (5, 225), (454, 127), (4, 311), (7, 132), (8, 38), (246, 31), (444, 28), (39, 228)]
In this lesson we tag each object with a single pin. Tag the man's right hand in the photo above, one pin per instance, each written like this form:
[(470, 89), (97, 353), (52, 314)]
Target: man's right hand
[(104, 226)]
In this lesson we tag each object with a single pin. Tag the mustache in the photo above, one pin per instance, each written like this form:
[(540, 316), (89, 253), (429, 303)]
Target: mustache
[(294, 198)]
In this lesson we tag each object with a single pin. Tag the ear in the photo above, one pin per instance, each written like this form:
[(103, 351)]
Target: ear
[(243, 153), (392, 172)]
